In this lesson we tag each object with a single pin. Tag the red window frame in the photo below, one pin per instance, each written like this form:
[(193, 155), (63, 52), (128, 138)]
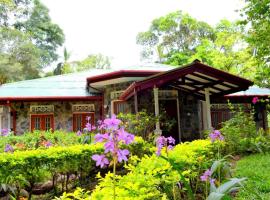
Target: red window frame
[(83, 119), (42, 118)]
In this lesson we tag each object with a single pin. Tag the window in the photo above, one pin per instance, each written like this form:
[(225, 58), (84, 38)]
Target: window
[(42, 122), (120, 107), (80, 120)]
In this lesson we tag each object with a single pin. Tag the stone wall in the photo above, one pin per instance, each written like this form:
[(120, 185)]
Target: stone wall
[(62, 114)]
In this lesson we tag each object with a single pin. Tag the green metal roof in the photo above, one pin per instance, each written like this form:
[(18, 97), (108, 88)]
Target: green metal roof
[(67, 85), (252, 91)]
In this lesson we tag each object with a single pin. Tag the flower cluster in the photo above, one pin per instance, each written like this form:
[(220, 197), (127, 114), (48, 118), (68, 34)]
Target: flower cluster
[(9, 148), (216, 136), (114, 135), (207, 176), (255, 100), (5, 132), (164, 142)]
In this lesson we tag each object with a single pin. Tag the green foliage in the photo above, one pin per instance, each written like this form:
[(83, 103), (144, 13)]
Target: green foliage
[(257, 170), (178, 39), (97, 61), (19, 57), (173, 33), (239, 132), (22, 169), (31, 38), (153, 177), (230, 186), (140, 124)]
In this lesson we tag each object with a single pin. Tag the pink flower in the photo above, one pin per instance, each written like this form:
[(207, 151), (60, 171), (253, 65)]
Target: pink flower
[(112, 123), (101, 160), (109, 146), (255, 100), (101, 137)]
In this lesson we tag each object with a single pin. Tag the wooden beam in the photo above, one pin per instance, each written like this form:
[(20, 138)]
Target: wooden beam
[(208, 85)]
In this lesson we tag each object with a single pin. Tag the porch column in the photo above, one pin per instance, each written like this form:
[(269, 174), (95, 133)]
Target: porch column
[(135, 101), (208, 109), (9, 120), (157, 131)]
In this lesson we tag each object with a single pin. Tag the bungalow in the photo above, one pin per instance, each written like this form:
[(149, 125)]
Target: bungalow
[(64, 101)]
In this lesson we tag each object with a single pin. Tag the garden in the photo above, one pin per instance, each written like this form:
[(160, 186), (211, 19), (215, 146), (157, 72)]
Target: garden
[(119, 158)]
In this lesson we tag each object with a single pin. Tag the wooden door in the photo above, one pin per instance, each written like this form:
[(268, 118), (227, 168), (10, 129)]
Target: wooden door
[(42, 122), (80, 120)]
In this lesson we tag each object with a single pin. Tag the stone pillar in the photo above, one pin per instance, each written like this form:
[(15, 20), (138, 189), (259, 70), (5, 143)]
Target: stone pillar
[(157, 131), (208, 109)]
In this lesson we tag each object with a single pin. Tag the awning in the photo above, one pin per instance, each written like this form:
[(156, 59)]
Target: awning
[(193, 78)]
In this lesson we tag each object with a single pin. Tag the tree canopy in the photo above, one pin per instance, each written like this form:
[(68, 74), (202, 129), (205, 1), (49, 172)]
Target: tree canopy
[(178, 39), (29, 39)]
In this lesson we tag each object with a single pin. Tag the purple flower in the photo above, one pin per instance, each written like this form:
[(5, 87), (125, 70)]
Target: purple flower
[(255, 100), (8, 148), (101, 160), (212, 181), (171, 140), (112, 123), (164, 142), (88, 127), (206, 175), (88, 118), (4, 132), (101, 137), (216, 135), (79, 133), (125, 137), (109, 146), (48, 144), (122, 155)]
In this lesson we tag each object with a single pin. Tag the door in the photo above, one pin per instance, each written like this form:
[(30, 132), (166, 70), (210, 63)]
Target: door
[(169, 120), (42, 122), (80, 120)]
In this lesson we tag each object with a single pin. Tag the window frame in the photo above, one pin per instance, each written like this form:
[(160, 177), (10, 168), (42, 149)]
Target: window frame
[(84, 115), (42, 121)]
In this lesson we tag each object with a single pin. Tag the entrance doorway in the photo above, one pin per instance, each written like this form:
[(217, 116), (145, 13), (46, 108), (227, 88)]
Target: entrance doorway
[(169, 122)]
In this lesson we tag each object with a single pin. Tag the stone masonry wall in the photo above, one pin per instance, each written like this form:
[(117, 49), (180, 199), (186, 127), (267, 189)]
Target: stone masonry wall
[(62, 114)]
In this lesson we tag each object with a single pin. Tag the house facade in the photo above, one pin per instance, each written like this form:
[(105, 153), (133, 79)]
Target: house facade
[(62, 102)]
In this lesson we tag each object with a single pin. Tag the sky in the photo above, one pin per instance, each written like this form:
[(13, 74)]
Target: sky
[(110, 26)]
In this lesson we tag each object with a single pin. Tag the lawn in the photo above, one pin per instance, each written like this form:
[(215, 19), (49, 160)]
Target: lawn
[(257, 169)]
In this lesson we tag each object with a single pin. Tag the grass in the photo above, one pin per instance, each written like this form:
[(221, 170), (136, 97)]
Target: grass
[(257, 169)]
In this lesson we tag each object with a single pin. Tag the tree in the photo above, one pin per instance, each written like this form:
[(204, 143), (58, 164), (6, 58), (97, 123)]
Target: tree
[(174, 37), (32, 18), (19, 58), (229, 51), (179, 39), (256, 15), (97, 61)]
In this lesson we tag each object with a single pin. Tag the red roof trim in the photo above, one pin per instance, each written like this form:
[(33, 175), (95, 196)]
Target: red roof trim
[(121, 73), (53, 98), (164, 77)]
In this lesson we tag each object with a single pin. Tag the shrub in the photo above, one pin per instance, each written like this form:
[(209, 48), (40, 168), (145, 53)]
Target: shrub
[(39, 139), (154, 177), (22, 169), (140, 124), (239, 132)]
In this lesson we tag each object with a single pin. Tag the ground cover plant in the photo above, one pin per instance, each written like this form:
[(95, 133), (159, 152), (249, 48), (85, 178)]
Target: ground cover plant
[(256, 168)]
